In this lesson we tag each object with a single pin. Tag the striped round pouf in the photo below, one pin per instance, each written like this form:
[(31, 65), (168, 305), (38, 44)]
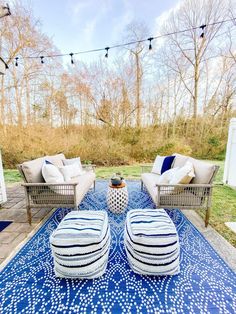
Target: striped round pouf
[(151, 242), (117, 199), (80, 245)]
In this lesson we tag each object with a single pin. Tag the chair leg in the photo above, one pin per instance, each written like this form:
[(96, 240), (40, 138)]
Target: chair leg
[(207, 216), (29, 214), (141, 185), (94, 185)]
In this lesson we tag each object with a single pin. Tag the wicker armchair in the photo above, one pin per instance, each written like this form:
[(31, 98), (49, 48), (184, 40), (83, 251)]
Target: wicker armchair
[(51, 195), (182, 196)]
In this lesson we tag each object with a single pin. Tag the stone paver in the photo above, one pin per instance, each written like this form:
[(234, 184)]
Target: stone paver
[(17, 232), (19, 229), (231, 225), (221, 246), (8, 237)]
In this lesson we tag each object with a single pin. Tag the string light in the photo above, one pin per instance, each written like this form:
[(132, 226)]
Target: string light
[(150, 39), (202, 27), (6, 66), (16, 63), (150, 43), (4, 11), (106, 55), (71, 58)]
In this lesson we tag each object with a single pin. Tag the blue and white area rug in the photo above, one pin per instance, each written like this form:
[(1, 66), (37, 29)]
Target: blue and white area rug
[(205, 284)]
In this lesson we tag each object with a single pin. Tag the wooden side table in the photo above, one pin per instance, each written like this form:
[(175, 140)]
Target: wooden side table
[(117, 198)]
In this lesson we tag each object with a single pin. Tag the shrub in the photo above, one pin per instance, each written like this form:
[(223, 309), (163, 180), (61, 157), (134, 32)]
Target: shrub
[(112, 146)]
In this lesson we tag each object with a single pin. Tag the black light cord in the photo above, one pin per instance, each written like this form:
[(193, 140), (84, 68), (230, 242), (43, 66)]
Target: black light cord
[(150, 39)]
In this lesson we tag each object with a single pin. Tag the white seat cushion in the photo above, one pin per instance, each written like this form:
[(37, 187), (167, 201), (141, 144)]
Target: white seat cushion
[(150, 181), (85, 181)]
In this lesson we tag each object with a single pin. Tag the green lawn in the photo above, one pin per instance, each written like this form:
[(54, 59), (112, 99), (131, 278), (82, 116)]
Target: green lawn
[(224, 198), (223, 206), (12, 176)]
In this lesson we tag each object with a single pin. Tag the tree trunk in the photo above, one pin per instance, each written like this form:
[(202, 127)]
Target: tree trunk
[(138, 81), (2, 117), (195, 96), (27, 103)]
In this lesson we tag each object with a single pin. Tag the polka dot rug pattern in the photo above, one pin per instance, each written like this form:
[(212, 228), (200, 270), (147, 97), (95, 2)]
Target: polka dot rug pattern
[(205, 283)]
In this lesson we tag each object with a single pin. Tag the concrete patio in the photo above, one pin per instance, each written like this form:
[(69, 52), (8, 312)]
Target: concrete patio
[(12, 237)]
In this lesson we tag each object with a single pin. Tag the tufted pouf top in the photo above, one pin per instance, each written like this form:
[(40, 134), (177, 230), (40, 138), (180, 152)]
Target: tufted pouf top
[(151, 242), (80, 244)]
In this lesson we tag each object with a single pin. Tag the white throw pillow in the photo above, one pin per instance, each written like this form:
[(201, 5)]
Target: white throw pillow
[(72, 161), (158, 164), (71, 171), (167, 175), (183, 175), (51, 173)]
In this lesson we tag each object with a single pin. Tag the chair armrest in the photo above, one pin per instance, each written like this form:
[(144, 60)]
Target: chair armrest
[(177, 189), (190, 185), (184, 196), (49, 189), (44, 184)]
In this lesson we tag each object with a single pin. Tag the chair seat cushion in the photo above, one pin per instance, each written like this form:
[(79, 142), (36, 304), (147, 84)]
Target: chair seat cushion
[(33, 169), (150, 181), (63, 195), (80, 244), (151, 242), (203, 170)]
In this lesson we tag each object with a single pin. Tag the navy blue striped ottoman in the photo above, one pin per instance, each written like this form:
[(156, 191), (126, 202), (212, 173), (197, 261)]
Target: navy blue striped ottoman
[(80, 245), (151, 242)]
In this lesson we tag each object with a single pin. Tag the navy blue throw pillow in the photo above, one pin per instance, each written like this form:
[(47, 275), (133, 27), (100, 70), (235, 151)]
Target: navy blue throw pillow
[(167, 163)]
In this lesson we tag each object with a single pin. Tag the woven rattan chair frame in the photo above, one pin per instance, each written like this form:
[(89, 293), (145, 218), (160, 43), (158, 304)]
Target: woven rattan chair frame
[(184, 196), (50, 195)]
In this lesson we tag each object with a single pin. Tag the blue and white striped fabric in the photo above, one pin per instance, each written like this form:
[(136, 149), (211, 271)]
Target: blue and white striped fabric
[(80, 245), (151, 242)]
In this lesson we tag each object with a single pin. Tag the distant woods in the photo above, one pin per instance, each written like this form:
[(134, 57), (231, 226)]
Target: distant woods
[(179, 96)]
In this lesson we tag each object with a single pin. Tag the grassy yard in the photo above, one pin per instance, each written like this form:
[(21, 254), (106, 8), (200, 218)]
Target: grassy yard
[(224, 198)]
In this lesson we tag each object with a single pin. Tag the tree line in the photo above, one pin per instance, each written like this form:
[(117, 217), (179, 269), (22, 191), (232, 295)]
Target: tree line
[(179, 95)]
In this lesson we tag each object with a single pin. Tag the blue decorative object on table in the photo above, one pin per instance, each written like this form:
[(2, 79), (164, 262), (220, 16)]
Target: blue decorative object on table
[(205, 283), (116, 179), (116, 182)]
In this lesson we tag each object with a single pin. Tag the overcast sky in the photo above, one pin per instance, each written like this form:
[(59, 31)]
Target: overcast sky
[(76, 25)]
